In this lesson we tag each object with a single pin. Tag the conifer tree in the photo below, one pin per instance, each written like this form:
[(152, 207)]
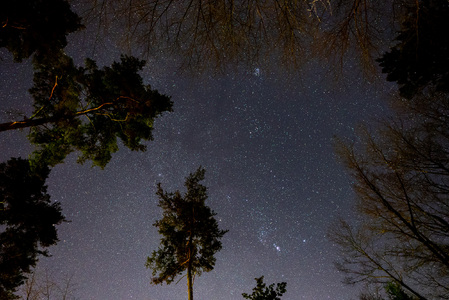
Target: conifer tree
[(190, 234), (28, 220), (264, 292)]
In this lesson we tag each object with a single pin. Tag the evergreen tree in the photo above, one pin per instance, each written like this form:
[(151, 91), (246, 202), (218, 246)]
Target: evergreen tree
[(75, 108), (27, 220), (262, 292), (190, 234), (419, 59), (87, 109), (37, 27)]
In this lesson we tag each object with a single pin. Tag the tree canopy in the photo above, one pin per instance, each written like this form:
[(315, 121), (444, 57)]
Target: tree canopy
[(76, 108), (27, 219), (82, 109), (400, 170), (211, 33), (36, 27), (215, 33), (401, 178), (87, 109), (264, 292), (419, 59), (190, 234)]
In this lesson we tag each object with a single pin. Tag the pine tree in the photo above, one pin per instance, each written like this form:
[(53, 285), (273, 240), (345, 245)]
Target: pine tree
[(190, 234), (28, 220), (264, 292)]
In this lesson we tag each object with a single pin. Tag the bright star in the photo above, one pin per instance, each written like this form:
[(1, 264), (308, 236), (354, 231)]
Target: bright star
[(277, 247)]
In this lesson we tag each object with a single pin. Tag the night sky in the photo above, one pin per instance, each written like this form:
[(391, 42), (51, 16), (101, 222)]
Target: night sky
[(265, 137)]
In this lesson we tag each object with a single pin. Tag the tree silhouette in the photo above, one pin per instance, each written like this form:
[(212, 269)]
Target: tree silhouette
[(420, 59), (211, 32), (28, 221), (76, 108), (401, 179), (190, 234), (87, 109), (215, 33), (36, 27), (262, 292)]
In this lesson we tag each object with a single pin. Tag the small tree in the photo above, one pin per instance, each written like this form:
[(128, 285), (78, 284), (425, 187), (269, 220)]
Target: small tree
[(262, 292), (190, 233)]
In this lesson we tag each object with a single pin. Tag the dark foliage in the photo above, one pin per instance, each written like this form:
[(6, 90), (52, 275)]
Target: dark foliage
[(38, 26), (28, 220), (86, 109), (263, 292), (395, 292), (421, 59)]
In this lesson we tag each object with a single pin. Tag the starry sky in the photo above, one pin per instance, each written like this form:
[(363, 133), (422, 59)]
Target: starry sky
[(265, 137)]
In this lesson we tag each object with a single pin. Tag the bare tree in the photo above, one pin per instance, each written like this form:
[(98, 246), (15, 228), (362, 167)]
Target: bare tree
[(28, 289), (44, 285), (212, 33), (401, 177)]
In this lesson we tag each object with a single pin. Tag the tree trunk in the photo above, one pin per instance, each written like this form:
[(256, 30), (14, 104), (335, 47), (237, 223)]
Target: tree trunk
[(189, 281)]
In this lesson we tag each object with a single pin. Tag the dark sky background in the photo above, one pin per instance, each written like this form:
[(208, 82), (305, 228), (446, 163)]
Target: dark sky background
[(265, 137)]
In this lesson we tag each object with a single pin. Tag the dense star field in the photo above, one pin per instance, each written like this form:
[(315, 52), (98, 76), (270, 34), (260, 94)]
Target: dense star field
[(266, 142), (265, 136)]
